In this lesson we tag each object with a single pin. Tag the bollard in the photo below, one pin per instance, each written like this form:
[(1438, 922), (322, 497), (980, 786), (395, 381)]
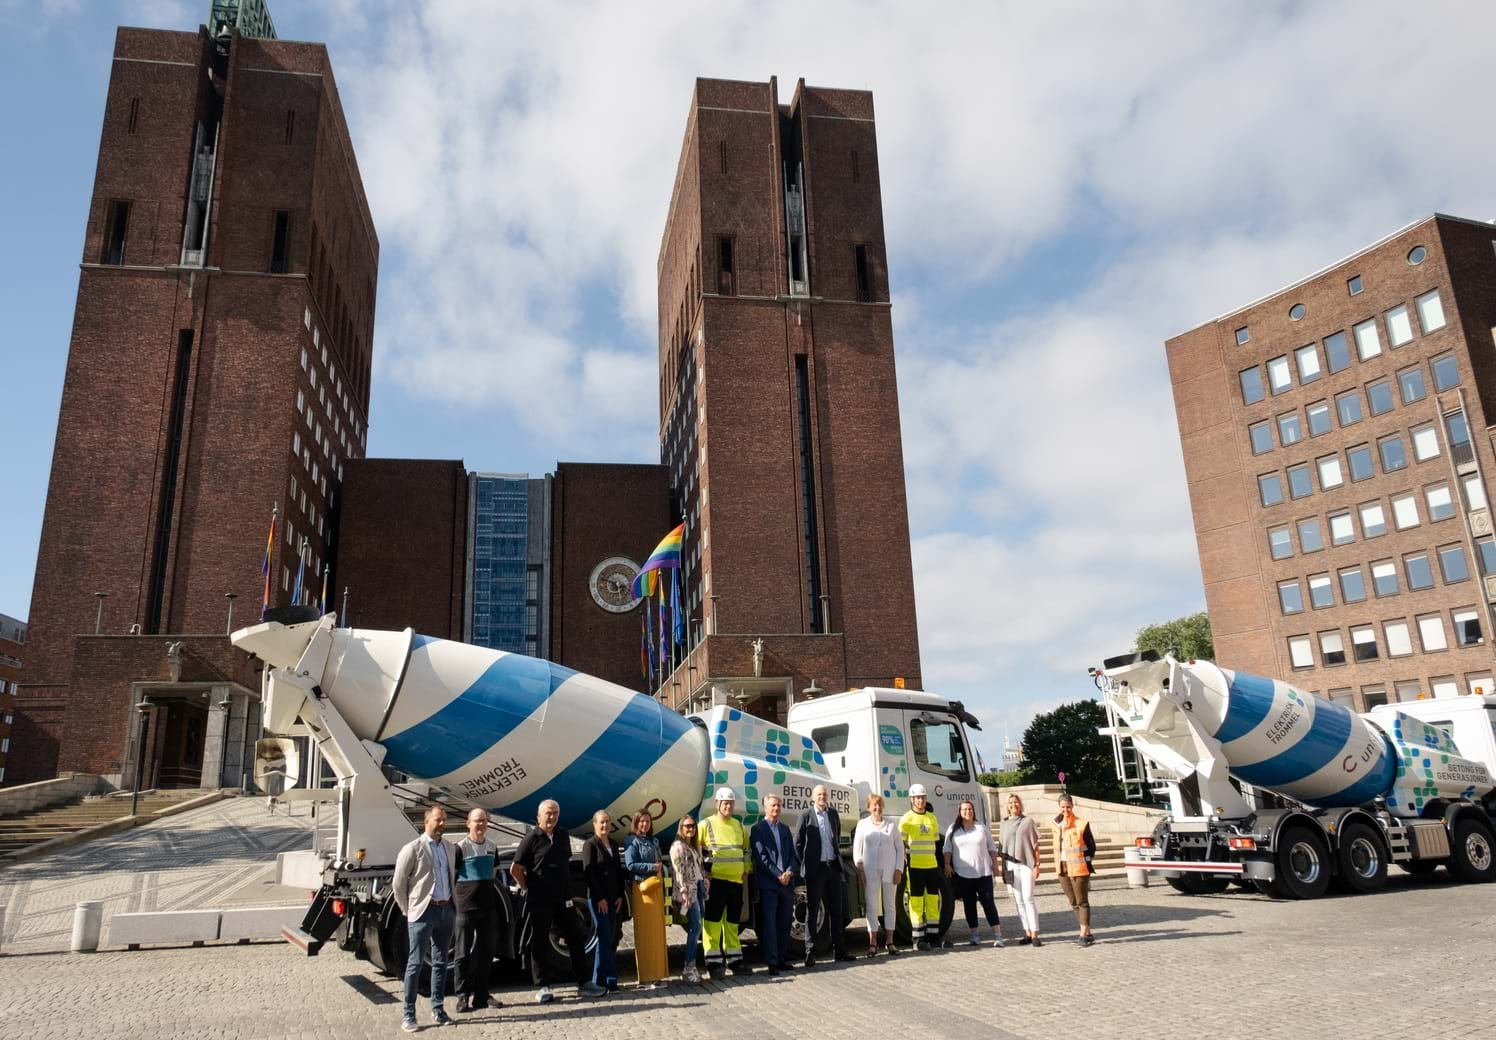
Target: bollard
[(86, 921), (1137, 877)]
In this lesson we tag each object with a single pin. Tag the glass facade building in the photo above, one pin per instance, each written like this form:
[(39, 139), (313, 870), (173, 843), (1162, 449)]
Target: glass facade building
[(505, 589)]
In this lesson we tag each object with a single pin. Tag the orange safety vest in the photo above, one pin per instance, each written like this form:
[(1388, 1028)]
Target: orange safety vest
[(1070, 847)]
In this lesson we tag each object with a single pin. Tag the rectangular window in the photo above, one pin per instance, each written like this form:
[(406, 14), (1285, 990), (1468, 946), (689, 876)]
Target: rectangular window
[(1420, 574), (1290, 430), (134, 122), (1446, 372), (1425, 442), (1321, 591), (1345, 697), (1475, 492), (1458, 433), (1405, 691), (1242, 336), (1380, 396), (1359, 459), (1330, 475), (1405, 511), (1399, 642), (1443, 686), (1364, 642), (1331, 648), (1384, 578), (290, 125), (1270, 485), (1430, 311), (1410, 382), (296, 443), (1307, 358), (280, 242), (722, 156), (1478, 683), (285, 579), (1431, 633), (1319, 418), (1262, 437), (1373, 696), (1251, 385), (1453, 565), (303, 359), (1279, 377), (1399, 328), (1290, 597), (1485, 554), (1352, 585), (864, 276), (1337, 352), (1440, 504), (1300, 652), (1298, 481), (1368, 345), (1393, 455), (1310, 538), (725, 281), (1467, 627), (1373, 520), (1354, 286), (1348, 405), (1342, 531), (116, 230), (1280, 542)]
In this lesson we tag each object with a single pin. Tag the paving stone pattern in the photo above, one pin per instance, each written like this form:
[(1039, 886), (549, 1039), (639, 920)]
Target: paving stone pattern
[(220, 855)]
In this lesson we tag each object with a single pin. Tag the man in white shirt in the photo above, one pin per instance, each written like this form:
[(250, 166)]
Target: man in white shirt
[(425, 877)]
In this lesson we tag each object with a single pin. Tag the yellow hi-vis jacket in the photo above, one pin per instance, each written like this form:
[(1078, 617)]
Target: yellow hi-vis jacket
[(920, 831), (726, 843)]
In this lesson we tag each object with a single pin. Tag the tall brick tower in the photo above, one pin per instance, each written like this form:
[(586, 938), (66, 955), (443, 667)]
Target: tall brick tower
[(779, 402), (219, 365)]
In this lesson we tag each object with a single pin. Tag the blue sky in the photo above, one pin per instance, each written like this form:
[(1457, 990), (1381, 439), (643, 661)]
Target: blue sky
[(1065, 186)]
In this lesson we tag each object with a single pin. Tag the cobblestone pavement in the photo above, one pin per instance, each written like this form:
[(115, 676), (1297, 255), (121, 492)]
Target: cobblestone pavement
[(1411, 962), (220, 855)]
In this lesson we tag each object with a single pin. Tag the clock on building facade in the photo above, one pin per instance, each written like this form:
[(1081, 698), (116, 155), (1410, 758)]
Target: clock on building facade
[(612, 584)]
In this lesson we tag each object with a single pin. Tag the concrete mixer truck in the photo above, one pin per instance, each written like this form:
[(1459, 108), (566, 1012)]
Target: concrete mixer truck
[(505, 731), (1338, 796)]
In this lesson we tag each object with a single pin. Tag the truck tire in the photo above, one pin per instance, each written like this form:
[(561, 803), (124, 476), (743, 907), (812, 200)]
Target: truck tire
[(1360, 860), (1472, 851), (1200, 884), (1303, 863), (555, 959), (1420, 867)]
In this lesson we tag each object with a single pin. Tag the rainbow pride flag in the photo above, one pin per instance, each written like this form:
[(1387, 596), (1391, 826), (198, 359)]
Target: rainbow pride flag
[(666, 556)]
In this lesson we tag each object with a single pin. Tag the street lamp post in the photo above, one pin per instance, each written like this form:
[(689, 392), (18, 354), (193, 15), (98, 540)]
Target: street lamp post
[(99, 614), (230, 596), (145, 718)]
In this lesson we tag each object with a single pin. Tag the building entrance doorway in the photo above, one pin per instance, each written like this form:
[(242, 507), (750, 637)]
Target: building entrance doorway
[(181, 726)]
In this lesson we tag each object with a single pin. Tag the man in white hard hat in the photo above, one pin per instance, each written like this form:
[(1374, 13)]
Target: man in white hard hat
[(724, 842), (921, 831)]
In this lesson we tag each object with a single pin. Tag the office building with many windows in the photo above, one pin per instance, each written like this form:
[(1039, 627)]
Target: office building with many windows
[(1337, 441), (508, 521)]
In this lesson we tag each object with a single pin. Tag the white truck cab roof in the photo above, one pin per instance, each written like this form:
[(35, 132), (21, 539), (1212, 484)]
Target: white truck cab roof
[(867, 697)]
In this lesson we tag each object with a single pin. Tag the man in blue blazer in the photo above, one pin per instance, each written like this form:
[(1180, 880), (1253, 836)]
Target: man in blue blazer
[(774, 867), (818, 848)]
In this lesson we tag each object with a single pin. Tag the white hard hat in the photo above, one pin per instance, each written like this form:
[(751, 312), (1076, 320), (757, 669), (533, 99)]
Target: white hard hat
[(724, 794), (917, 791)]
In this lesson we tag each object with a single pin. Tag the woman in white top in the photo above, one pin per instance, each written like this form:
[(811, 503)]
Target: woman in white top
[(971, 858), (878, 852)]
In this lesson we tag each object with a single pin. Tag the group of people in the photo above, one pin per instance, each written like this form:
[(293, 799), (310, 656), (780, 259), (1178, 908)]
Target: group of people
[(445, 887)]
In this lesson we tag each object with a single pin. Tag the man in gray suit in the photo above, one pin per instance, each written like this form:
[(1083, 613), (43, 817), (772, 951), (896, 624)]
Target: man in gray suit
[(425, 879)]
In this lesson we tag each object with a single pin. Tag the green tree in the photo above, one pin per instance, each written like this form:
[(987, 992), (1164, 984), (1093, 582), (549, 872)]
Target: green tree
[(1067, 740), (1002, 778), (1188, 637)]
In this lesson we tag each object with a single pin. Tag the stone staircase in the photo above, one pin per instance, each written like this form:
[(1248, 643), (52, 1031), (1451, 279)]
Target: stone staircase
[(1109, 859), (22, 830)]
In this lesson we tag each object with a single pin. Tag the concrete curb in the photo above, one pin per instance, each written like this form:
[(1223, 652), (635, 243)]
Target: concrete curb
[(103, 830)]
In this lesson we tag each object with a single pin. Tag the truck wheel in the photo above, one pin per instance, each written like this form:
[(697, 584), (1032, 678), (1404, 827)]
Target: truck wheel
[(1303, 863), (555, 959), (1360, 860), (386, 940), (1178, 884), (947, 906), (1201, 884), (1472, 851), (1420, 867), (1269, 889)]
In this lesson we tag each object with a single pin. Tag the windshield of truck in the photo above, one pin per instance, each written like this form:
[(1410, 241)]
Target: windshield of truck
[(938, 748)]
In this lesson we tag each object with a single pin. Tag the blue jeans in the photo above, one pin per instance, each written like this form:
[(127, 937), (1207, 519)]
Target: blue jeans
[(434, 928), (604, 970), (693, 924)]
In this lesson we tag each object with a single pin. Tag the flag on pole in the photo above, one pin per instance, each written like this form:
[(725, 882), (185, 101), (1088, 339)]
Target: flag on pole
[(322, 599), (265, 563), (666, 556), (664, 632), (300, 574), (677, 616), (645, 671)]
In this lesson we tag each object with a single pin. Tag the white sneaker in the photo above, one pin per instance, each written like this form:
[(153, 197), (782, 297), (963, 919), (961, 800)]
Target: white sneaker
[(973, 940), (997, 942), (545, 996)]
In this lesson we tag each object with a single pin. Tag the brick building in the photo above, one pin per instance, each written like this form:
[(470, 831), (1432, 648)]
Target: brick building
[(1337, 441), (12, 659), (779, 417), (219, 365)]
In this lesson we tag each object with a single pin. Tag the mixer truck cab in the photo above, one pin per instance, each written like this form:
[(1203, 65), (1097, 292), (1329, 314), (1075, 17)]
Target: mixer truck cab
[(1293, 794), (879, 741)]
